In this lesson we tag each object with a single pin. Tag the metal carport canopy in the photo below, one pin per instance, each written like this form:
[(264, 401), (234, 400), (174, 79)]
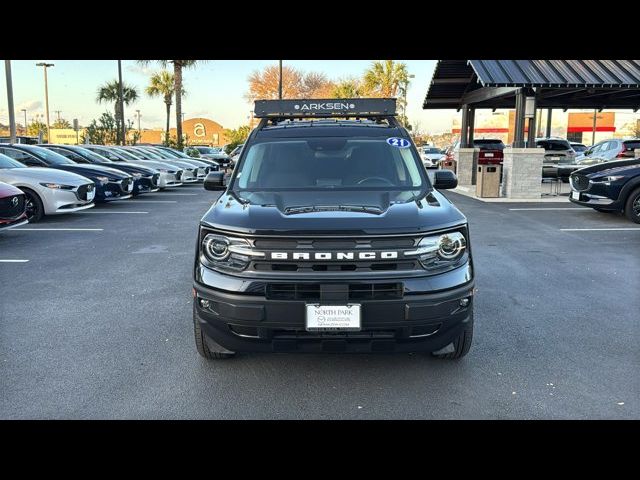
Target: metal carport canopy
[(558, 83)]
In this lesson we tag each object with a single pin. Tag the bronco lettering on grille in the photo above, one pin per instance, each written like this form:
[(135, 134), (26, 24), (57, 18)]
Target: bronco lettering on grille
[(333, 256)]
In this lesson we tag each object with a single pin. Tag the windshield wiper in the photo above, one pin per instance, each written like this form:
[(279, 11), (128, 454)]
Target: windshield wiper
[(333, 208)]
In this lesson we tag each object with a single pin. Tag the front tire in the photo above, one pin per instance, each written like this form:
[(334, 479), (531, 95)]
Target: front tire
[(205, 345), (34, 207), (632, 207), (462, 344)]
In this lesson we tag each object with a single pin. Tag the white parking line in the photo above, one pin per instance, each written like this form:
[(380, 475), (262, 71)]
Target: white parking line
[(599, 229), (550, 208), (101, 211), (149, 201), (13, 261), (59, 229), (178, 194)]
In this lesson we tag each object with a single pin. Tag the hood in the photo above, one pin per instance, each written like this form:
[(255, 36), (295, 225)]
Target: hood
[(7, 190), (132, 168), (179, 164), (432, 212), (42, 174), (192, 161), (604, 166), (94, 170), (150, 164)]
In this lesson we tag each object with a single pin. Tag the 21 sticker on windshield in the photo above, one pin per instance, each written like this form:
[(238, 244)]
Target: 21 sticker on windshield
[(398, 142)]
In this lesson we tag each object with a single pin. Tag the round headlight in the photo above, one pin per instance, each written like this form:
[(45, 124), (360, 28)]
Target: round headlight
[(451, 245), (216, 247)]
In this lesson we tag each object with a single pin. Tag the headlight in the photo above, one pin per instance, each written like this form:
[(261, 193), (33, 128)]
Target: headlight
[(57, 186), (227, 253), (103, 180), (441, 251), (163, 170), (137, 175), (607, 180)]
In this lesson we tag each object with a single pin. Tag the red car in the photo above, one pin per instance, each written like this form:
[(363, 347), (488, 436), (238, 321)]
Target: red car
[(12, 207)]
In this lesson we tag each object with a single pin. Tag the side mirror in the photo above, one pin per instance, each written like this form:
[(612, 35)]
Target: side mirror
[(215, 181), (444, 180)]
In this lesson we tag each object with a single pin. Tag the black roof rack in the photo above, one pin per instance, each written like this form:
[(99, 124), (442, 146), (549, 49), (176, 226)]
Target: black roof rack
[(325, 108)]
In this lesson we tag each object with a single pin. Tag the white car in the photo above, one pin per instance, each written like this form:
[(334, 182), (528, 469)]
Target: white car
[(431, 157), (48, 191), (170, 176)]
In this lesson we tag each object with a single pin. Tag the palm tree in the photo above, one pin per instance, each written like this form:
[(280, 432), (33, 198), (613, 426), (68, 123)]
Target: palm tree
[(109, 92), (384, 78), (162, 84), (178, 65)]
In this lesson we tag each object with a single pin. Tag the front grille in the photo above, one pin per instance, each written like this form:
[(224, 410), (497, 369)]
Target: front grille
[(332, 245), (83, 190), (356, 291), (126, 185), (11, 207), (580, 182)]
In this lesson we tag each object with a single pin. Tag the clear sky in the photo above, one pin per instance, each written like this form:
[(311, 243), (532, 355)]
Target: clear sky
[(215, 90)]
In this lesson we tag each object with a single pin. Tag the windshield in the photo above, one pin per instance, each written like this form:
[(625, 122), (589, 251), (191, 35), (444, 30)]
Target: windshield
[(52, 158), (431, 150), (631, 144), (146, 153), (206, 150), (88, 154), (159, 153), (129, 154), (331, 164), (578, 147), (8, 162), (489, 143), (174, 153)]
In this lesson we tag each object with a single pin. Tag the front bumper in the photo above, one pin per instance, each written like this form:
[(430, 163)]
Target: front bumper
[(63, 201), (587, 199), (422, 320)]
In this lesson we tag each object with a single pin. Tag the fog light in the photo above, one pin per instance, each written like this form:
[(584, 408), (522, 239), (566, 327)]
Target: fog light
[(204, 303), (464, 302)]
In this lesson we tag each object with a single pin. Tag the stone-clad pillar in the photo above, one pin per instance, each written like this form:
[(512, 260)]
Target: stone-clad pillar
[(522, 172), (467, 162)]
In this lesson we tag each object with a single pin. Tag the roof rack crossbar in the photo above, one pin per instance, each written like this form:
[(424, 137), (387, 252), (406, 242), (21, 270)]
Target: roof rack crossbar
[(326, 108)]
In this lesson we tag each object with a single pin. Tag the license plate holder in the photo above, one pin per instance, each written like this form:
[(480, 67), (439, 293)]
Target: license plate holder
[(575, 195), (333, 318)]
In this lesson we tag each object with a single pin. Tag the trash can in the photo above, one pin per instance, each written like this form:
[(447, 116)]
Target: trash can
[(488, 181), (448, 165)]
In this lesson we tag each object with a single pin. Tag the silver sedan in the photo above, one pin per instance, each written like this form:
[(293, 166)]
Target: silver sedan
[(48, 191)]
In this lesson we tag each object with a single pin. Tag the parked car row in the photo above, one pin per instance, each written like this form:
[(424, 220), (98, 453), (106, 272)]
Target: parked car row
[(47, 179)]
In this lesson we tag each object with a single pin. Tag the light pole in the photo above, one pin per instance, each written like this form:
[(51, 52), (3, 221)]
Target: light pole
[(123, 133), (280, 81), (25, 121), (58, 113), (138, 112), (183, 117), (12, 118), (46, 91)]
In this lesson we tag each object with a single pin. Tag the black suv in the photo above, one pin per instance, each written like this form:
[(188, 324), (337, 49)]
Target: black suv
[(609, 187), (329, 237)]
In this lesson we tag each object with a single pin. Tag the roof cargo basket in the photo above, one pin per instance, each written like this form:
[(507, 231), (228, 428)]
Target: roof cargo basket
[(326, 108)]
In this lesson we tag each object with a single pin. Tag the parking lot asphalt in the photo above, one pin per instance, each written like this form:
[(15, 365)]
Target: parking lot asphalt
[(95, 322)]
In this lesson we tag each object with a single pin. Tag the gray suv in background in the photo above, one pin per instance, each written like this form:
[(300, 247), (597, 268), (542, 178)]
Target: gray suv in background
[(559, 158), (609, 150)]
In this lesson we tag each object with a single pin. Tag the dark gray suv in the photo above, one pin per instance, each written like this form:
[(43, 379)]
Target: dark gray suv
[(609, 150), (559, 158)]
